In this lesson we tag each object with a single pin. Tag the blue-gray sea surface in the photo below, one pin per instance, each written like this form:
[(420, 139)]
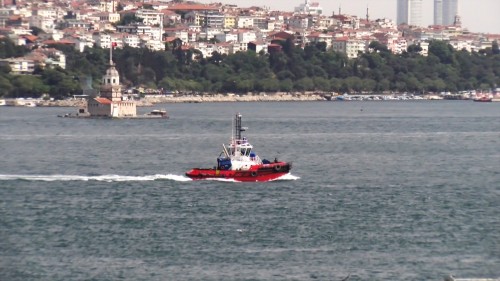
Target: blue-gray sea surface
[(378, 191)]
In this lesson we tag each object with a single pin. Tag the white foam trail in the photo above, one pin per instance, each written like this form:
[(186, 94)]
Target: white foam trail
[(287, 177), (221, 179), (104, 178), (118, 178)]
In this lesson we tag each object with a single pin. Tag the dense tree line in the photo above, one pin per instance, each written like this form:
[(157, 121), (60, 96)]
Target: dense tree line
[(313, 68)]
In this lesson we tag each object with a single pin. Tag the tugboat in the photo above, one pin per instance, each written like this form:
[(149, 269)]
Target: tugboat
[(238, 162)]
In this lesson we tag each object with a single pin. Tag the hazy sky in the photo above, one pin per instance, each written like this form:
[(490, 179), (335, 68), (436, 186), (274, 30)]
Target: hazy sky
[(477, 15)]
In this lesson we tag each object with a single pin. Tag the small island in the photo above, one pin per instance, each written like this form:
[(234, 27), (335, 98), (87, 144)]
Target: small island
[(110, 103)]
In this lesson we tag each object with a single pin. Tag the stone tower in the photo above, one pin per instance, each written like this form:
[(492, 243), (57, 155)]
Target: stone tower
[(111, 88)]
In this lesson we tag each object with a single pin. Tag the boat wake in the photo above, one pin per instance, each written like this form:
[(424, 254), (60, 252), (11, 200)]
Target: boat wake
[(287, 177), (103, 178), (118, 178)]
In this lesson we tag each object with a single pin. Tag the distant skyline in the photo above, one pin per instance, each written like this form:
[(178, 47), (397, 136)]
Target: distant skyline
[(477, 15), (410, 12)]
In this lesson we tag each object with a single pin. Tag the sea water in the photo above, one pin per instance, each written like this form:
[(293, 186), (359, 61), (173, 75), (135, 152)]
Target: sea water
[(378, 191)]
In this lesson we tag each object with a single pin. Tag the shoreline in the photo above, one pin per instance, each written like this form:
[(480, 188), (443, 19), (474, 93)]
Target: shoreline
[(150, 100)]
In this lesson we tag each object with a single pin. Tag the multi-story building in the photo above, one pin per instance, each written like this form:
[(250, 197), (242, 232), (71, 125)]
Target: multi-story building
[(350, 47), (209, 33), (244, 22), (318, 37), (425, 48), (46, 24), (108, 6), (108, 17), (461, 44), (260, 22), (102, 40), (53, 56), (238, 47), (438, 12), (309, 8), (19, 65), (410, 12), (213, 20), (227, 37), (132, 40), (354, 47), (47, 13), (246, 36), (450, 11), (445, 12), (155, 33), (325, 23), (150, 17), (299, 22), (229, 21), (206, 19)]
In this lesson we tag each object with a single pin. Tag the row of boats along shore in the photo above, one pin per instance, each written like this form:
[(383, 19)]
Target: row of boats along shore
[(158, 98), (151, 100)]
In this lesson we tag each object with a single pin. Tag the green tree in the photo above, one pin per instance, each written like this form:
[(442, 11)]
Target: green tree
[(321, 84), (442, 50), (286, 85), (5, 86), (25, 86), (304, 84), (9, 50), (268, 85)]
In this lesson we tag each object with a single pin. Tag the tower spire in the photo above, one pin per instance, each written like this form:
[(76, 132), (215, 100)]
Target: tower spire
[(367, 13)]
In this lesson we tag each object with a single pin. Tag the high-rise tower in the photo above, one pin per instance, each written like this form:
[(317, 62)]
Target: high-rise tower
[(445, 11), (438, 12), (410, 12)]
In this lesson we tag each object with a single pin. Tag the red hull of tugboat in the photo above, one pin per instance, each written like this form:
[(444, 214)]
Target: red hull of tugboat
[(257, 173)]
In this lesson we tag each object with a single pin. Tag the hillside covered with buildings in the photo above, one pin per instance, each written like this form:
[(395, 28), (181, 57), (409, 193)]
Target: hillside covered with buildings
[(58, 47)]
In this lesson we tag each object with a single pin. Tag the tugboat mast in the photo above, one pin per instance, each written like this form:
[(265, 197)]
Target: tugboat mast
[(237, 126)]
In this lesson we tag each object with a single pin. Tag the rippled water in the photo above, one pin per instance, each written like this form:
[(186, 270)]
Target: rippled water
[(379, 190)]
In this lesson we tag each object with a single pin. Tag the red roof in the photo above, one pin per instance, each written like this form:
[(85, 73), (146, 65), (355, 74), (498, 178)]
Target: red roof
[(170, 39), (63, 41), (31, 38), (103, 100)]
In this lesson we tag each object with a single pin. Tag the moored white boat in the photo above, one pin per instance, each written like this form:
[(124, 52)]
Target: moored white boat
[(158, 113)]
